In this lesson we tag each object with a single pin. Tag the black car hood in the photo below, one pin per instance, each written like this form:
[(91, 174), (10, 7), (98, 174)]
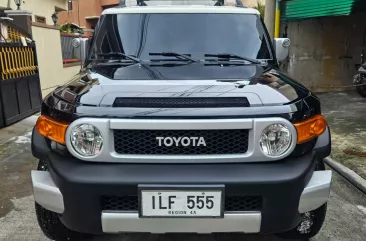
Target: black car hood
[(102, 85)]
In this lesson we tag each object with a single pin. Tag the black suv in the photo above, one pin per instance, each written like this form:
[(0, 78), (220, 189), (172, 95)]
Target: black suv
[(181, 122)]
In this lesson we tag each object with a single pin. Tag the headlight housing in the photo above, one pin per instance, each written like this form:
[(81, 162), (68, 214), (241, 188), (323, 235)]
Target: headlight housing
[(86, 140), (275, 140)]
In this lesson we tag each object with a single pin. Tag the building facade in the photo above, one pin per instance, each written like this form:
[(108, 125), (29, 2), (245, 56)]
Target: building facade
[(326, 41), (85, 13), (40, 9), (52, 71), (252, 3)]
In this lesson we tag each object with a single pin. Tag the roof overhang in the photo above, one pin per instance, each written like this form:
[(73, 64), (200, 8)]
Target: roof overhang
[(92, 17), (293, 10)]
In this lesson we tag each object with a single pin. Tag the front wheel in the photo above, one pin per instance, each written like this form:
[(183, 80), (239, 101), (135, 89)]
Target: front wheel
[(361, 89), (309, 226), (52, 228), (312, 221), (50, 223)]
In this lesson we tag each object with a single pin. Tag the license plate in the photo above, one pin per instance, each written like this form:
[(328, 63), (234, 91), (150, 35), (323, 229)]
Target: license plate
[(181, 203)]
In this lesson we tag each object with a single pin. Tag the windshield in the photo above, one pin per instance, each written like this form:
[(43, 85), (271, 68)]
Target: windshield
[(192, 34)]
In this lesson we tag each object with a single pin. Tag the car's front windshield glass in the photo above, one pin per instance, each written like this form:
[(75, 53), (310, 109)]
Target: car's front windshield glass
[(194, 34)]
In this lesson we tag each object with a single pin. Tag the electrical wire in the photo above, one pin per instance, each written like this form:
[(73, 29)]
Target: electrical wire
[(1, 33), (3, 36), (81, 62)]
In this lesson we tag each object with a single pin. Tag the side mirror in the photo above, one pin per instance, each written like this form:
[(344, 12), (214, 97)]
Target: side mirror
[(81, 47), (281, 46)]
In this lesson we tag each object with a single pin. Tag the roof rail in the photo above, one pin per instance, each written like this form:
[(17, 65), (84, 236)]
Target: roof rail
[(122, 3), (239, 3)]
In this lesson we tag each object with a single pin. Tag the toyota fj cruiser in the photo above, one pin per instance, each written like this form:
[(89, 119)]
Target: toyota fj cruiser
[(181, 122)]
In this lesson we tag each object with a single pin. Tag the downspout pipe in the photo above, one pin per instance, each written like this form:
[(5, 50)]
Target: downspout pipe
[(277, 20)]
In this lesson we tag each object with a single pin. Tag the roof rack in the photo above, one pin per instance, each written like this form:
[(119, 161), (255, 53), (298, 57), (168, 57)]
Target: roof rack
[(141, 3), (122, 3)]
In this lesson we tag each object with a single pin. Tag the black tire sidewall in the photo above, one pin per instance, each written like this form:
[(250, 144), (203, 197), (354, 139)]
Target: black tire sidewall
[(362, 89), (50, 223), (319, 216), (318, 221)]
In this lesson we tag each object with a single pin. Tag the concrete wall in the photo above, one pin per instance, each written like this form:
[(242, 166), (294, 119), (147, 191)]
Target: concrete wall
[(251, 3), (88, 8), (51, 69), (107, 3), (43, 8), (325, 50)]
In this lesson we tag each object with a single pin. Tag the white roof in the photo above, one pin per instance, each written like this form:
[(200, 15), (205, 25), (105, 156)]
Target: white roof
[(181, 9)]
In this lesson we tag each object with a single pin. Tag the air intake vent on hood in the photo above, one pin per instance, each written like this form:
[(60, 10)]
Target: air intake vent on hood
[(181, 102)]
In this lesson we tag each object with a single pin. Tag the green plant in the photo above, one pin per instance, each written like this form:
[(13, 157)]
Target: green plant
[(68, 28), (260, 7)]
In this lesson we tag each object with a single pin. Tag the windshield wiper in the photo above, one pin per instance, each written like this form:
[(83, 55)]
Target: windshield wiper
[(119, 56), (174, 54), (233, 56)]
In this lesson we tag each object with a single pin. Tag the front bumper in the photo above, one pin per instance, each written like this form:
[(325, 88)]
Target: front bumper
[(74, 188), (48, 195)]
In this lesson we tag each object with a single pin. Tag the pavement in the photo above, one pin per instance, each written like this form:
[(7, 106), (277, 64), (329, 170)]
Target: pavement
[(346, 116), (346, 217)]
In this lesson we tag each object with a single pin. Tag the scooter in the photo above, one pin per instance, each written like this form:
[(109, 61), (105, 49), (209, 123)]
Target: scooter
[(360, 78)]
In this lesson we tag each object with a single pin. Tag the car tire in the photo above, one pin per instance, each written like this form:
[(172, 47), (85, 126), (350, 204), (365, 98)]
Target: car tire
[(309, 226), (53, 228), (312, 221), (362, 88), (50, 223), (320, 165)]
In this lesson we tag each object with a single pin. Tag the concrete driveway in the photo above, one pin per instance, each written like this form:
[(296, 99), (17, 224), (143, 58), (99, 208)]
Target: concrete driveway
[(346, 218), (346, 116)]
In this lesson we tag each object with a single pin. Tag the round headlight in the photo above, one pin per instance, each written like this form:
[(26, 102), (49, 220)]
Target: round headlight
[(275, 140), (86, 140)]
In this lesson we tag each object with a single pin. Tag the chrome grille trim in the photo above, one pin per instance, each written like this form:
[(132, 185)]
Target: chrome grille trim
[(254, 125), (157, 124)]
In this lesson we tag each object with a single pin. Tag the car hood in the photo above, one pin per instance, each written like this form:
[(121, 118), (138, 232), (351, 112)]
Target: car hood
[(101, 86)]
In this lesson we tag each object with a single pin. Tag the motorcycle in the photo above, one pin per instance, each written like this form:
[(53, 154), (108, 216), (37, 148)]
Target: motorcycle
[(360, 78)]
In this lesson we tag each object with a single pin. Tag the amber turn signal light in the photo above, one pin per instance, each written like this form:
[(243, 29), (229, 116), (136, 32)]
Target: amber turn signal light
[(310, 128), (52, 129)]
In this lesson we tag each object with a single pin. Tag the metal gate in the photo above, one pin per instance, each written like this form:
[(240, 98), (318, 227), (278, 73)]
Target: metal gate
[(20, 92)]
